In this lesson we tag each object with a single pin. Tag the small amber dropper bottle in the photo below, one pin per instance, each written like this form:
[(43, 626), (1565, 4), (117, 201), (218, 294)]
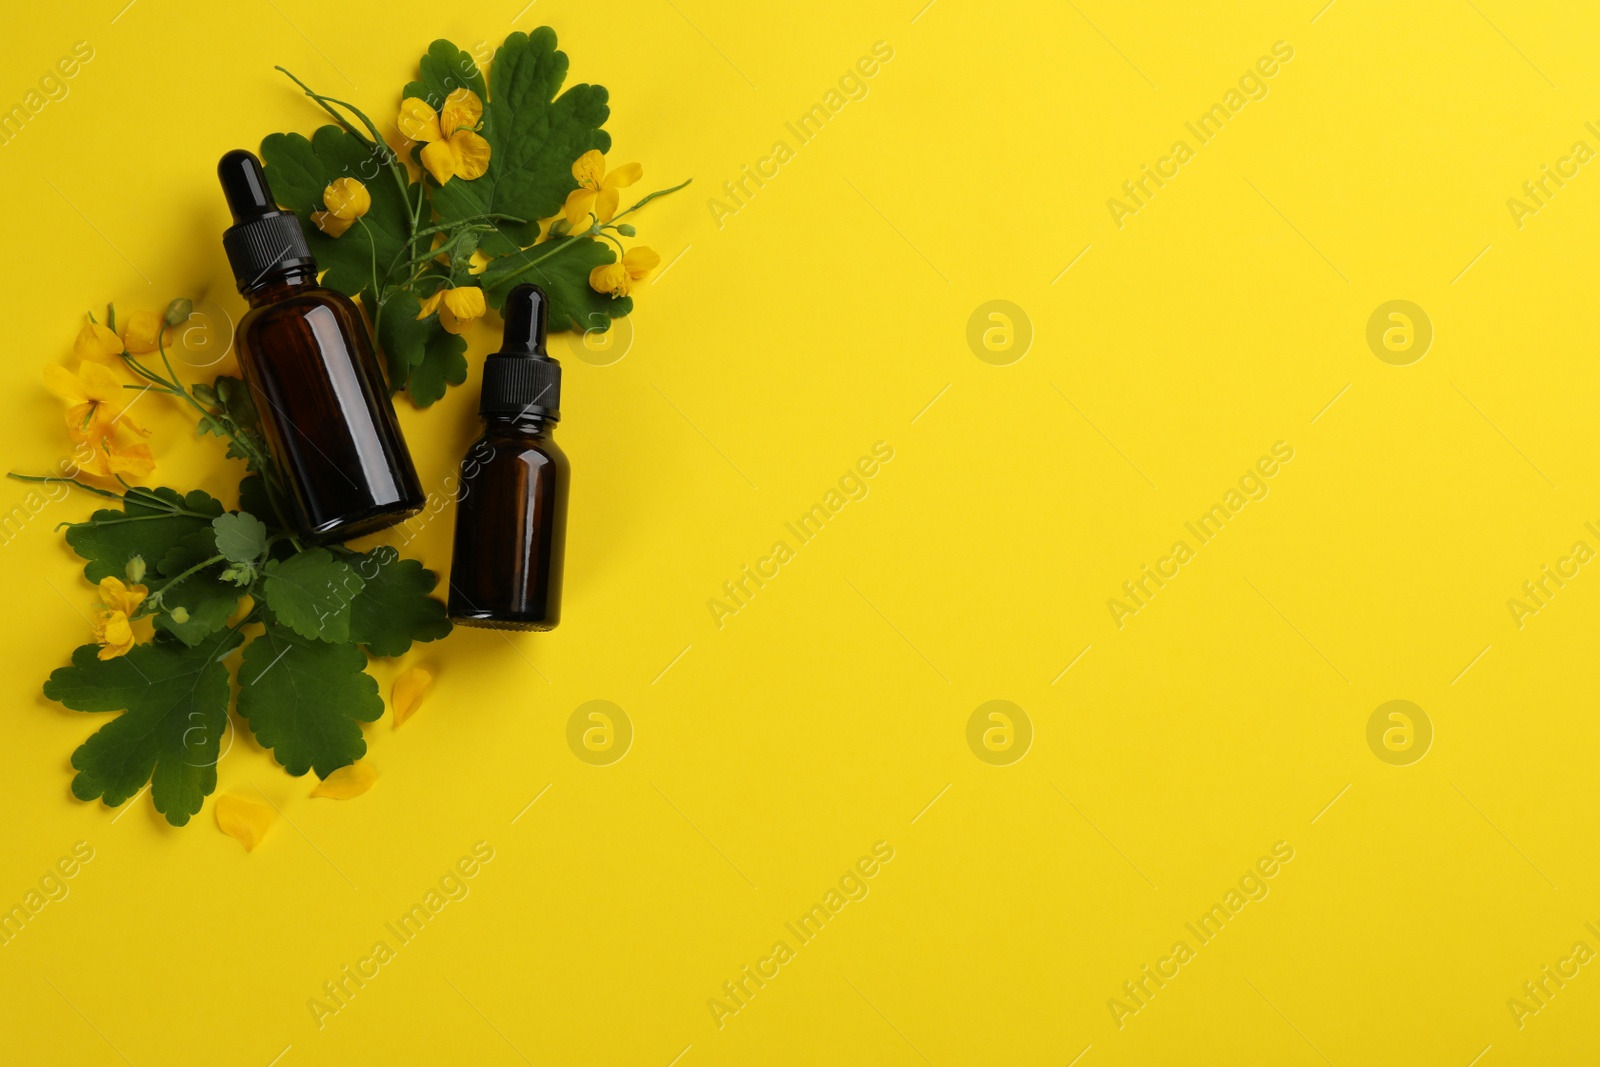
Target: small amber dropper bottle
[(312, 374), (511, 513)]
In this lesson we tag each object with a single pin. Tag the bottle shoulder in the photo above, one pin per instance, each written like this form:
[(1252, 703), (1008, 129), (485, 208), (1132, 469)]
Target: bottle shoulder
[(498, 446), (298, 303)]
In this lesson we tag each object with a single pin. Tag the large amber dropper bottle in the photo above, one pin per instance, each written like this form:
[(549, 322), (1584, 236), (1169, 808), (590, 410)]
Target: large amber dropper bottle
[(312, 374)]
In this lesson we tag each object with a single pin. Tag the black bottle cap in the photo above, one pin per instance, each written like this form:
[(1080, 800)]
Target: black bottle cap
[(521, 379), (262, 240)]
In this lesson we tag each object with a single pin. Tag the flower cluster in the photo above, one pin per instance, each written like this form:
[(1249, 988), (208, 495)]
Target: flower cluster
[(109, 443), (476, 185)]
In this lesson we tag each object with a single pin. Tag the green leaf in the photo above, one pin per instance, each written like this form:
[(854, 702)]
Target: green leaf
[(208, 600), (402, 337), (210, 603), (394, 609), (241, 537), (231, 397), (175, 700), (444, 360), (299, 170), (310, 592), (151, 523), (304, 698), (444, 69), (423, 356), (253, 496), (189, 552), (534, 138), (561, 268)]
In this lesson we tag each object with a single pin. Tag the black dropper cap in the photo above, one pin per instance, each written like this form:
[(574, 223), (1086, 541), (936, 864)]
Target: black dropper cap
[(521, 379), (262, 240)]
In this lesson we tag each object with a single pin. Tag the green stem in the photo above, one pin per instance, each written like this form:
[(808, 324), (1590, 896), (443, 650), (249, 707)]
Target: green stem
[(70, 481), (652, 196), (402, 179), (372, 248), (470, 218), (535, 261), (155, 598)]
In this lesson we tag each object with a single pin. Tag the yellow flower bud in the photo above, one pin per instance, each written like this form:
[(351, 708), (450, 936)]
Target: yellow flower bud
[(347, 198), (134, 570), (331, 224), (142, 333), (178, 311)]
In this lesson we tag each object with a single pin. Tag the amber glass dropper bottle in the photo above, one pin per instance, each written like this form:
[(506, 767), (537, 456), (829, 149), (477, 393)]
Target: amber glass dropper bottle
[(312, 373), (511, 513)]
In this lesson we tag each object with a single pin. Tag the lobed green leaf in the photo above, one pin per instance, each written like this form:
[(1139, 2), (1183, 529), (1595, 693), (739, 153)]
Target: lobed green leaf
[(310, 593), (151, 523), (304, 699), (174, 700)]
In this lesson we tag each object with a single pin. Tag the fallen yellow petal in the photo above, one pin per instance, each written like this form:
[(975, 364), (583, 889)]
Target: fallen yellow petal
[(244, 820), (347, 782), (408, 693)]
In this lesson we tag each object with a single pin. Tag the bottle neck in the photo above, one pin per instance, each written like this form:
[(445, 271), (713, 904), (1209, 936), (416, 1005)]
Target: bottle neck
[(518, 426), (277, 285)]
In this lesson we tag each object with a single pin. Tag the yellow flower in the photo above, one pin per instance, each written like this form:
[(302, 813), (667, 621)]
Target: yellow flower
[(597, 191), (95, 341), (453, 147), (106, 457), (477, 263), (618, 278), (142, 332), (119, 597), (92, 396), (113, 633), (347, 200), (456, 307), (111, 625)]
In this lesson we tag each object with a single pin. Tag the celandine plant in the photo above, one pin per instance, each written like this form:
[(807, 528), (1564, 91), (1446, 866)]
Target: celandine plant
[(202, 581), (428, 231), (426, 234)]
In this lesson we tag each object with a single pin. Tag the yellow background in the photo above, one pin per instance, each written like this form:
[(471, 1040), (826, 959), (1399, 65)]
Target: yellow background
[(827, 714)]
